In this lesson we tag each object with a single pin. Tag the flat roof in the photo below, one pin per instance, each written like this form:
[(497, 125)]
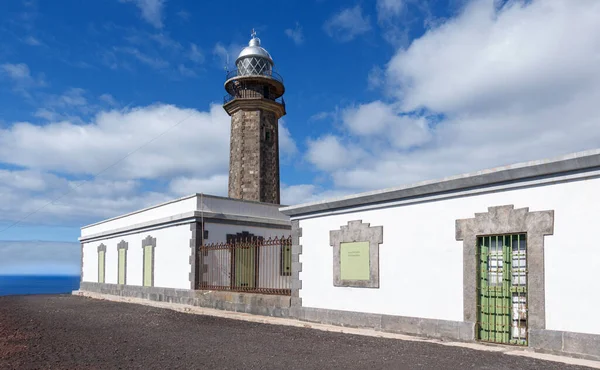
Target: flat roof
[(178, 200), (573, 162)]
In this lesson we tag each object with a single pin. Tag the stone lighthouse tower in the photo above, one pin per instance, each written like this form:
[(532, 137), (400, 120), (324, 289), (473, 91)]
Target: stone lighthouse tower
[(255, 103)]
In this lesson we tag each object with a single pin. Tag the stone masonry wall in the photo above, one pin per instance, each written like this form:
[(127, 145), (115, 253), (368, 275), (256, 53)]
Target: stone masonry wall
[(269, 158), (254, 156)]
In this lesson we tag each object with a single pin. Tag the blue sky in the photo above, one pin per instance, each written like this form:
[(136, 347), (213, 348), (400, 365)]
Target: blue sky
[(379, 94)]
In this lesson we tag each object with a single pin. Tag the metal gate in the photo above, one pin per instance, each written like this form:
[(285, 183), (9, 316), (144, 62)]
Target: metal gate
[(245, 266), (502, 289)]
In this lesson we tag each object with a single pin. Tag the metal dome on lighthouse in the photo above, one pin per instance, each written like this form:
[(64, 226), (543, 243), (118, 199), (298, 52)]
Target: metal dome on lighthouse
[(254, 76), (254, 59)]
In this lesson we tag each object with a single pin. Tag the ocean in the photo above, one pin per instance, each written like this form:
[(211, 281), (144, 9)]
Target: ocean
[(31, 284)]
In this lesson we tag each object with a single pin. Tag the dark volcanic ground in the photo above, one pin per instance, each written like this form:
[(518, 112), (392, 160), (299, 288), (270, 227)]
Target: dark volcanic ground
[(69, 332)]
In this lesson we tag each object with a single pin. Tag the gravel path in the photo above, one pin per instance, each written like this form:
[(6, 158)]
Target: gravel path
[(69, 332)]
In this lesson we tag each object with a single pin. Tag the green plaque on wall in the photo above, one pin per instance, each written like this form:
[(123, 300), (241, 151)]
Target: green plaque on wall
[(354, 261)]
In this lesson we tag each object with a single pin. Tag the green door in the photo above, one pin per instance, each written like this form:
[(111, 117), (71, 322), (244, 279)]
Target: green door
[(244, 265), (502, 289)]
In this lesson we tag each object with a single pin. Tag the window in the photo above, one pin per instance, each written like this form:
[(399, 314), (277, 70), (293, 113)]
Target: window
[(122, 265), (101, 262), (356, 254), (121, 279), (354, 261), (148, 265), (148, 246)]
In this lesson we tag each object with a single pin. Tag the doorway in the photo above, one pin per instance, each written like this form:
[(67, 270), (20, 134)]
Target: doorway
[(502, 289)]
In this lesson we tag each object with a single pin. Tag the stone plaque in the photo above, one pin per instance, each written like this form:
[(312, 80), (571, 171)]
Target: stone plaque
[(354, 261)]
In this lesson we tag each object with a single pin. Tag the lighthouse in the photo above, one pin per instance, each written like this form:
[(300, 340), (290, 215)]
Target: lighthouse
[(255, 103)]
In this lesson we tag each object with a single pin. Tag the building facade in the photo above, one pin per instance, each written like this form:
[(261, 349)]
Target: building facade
[(504, 256), (187, 245)]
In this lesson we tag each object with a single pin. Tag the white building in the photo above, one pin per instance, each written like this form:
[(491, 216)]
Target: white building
[(158, 252), (506, 255)]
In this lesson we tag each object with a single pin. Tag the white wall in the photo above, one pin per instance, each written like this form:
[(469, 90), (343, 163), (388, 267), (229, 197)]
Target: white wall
[(171, 258), (90, 262), (177, 207), (421, 267)]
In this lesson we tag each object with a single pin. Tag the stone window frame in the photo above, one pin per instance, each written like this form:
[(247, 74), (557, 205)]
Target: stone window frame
[(148, 241), (102, 248), (507, 220), (195, 243), (122, 245), (295, 300), (357, 231)]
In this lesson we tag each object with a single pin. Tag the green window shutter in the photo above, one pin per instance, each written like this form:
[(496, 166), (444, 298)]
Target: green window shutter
[(148, 250), (245, 267), (286, 260), (121, 279), (101, 266)]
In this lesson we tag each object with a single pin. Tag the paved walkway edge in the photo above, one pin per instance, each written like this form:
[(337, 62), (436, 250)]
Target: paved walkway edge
[(511, 351)]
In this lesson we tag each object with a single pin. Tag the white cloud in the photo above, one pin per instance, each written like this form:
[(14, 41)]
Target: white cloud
[(304, 193), (520, 57), (396, 19), (389, 8), (195, 54), (488, 88), (347, 24), (21, 77), (214, 185), (72, 97), (165, 41), (30, 40), (27, 180), (65, 106), (295, 34), (151, 10), (198, 146), (328, 153), (380, 119), (227, 53), (375, 79), (155, 49), (186, 72), (192, 156), (287, 145), (34, 196), (184, 15), (155, 62), (47, 114), (108, 99), (17, 72), (322, 116)]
